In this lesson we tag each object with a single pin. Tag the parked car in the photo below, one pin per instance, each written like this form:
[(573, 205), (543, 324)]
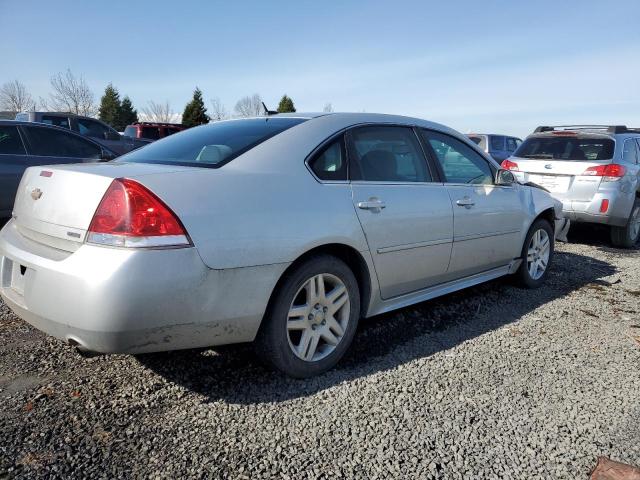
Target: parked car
[(266, 230), (152, 130), (498, 147), (89, 127), (23, 145), (593, 170)]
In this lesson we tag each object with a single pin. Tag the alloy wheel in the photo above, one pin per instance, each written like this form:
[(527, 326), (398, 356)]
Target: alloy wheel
[(318, 317), (538, 254), (634, 224)]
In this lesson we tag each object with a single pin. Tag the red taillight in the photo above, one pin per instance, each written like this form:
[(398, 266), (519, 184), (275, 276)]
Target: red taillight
[(509, 165), (610, 173), (604, 205), (130, 215)]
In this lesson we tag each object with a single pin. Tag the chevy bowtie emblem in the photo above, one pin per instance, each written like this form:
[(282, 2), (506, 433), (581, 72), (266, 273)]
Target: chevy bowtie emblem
[(36, 193), (548, 166)]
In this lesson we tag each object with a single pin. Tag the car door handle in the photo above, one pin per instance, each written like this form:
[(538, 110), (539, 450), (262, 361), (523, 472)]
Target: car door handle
[(372, 205), (465, 202)]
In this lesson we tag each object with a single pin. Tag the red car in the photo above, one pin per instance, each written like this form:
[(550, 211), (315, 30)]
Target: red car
[(152, 130)]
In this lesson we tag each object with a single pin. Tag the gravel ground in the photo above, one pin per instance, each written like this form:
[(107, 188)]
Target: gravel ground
[(492, 382)]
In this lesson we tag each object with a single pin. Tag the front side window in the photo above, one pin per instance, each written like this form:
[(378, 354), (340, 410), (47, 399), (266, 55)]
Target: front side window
[(330, 162), (49, 142), (91, 128), (566, 148), (56, 121), (211, 145), (629, 152), (497, 142), (388, 154), (459, 162)]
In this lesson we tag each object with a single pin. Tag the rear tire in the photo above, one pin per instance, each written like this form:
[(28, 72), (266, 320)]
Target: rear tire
[(537, 255), (312, 318), (627, 236)]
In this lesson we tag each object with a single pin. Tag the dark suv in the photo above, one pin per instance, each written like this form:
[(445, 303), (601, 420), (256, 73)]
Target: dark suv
[(499, 147), (24, 145), (152, 130), (89, 127)]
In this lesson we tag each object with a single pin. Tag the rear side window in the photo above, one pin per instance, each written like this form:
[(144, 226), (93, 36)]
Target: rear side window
[(511, 144), (49, 142), (211, 145), (566, 148), (10, 141), (330, 162), (497, 142), (388, 154), (459, 162), (630, 151), (56, 121)]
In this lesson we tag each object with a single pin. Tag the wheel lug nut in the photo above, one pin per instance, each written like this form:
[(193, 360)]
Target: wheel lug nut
[(310, 317), (325, 309), (313, 327), (324, 322), (317, 307)]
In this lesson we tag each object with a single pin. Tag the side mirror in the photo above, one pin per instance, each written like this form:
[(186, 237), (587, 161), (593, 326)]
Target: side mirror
[(505, 177), (107, 155)]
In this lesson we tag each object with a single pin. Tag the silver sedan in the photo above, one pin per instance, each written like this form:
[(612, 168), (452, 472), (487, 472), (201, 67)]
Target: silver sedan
[(283, 231)]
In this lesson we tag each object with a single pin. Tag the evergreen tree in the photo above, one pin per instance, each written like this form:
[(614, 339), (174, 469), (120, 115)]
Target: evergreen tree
[(195, 113), (110, 107), (127, 114), (286, 105)]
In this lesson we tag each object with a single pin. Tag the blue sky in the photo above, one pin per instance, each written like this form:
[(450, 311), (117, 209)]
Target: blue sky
[(500, 66)]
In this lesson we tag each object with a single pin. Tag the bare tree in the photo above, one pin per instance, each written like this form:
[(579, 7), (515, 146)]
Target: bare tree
[(14, 97), (159, 112), (218, 111), (249, 106), (328, 108), (71, 94)]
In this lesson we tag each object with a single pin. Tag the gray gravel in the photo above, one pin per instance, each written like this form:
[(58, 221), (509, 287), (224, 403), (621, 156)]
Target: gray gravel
[(493, 382)]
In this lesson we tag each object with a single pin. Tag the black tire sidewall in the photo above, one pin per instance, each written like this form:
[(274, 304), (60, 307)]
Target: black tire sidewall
[(523, 272), (272, 341)]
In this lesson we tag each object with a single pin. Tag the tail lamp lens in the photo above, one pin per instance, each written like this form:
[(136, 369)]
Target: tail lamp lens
[(609, 173), (130, 215), (509, 165)]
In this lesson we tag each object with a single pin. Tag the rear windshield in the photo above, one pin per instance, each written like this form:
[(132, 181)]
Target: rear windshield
[(479, 140), (566, 148), (211, 145)]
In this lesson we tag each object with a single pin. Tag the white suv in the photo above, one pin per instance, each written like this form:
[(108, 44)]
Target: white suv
[(593, 170)]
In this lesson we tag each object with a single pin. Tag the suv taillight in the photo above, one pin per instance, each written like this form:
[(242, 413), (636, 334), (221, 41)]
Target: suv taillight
[(609, 173), (129, 215), (509, 165)]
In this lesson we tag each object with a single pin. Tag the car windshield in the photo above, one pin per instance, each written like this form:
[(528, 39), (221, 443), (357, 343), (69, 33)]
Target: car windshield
[(566, 148), (211, 145), (479, 140)]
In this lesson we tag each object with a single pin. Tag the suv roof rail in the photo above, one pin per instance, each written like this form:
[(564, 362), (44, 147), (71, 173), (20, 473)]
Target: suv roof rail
[(607, 128), (158, 123)]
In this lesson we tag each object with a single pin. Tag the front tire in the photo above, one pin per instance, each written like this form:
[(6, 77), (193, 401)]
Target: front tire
[(312, 318), (627, 236), (537, 254)]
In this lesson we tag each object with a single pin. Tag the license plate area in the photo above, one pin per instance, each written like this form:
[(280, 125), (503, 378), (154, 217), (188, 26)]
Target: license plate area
[(553, 183)]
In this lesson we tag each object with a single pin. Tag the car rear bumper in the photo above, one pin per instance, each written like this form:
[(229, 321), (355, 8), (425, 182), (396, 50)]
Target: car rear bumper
[(113, 300), (617, 212)]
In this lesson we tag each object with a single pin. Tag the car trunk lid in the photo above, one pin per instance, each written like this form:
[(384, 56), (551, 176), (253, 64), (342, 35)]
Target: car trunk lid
[(55, 204)]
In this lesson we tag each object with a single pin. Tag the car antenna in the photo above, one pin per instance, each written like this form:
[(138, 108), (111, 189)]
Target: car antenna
[(268, 112)]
